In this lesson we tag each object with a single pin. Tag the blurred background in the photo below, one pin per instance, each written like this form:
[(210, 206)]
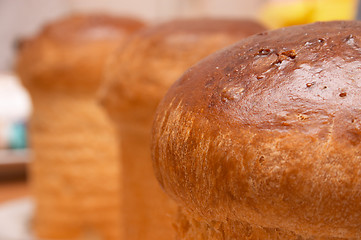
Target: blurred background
[(20, 19), (23, 18)]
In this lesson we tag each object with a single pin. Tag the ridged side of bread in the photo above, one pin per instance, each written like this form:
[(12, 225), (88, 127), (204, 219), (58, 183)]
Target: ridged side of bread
[(75, 168)]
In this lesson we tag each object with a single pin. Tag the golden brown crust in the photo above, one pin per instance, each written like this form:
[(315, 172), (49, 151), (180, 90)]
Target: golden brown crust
[(267, 131), (79, 29), (139, 74), (71, 47)]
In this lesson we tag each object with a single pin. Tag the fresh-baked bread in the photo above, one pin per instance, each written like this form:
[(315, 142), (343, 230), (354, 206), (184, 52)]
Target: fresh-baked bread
[(75, 168), (262, 140), (137, 78)]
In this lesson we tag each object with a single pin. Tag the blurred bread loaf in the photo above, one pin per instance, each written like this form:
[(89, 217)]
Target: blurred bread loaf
[(137, 79), (75, 169), (262, 140)]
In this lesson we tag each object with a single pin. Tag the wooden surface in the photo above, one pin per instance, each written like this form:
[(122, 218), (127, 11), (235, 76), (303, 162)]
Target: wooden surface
[(10, 190)]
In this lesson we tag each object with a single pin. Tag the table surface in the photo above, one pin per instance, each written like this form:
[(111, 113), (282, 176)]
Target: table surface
[(10, 190)]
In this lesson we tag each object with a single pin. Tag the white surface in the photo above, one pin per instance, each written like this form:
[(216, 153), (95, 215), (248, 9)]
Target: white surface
[(15, 103), (15, 217)]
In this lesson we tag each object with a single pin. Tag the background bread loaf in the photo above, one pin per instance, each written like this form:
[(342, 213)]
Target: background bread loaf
[(137, 79), (75, 172)]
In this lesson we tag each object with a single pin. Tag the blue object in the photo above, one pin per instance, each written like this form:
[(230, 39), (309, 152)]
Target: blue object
[(18, 136)]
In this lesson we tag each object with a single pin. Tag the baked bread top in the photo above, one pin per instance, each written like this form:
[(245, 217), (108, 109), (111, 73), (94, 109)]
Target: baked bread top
[(69, 54), (268, 131)]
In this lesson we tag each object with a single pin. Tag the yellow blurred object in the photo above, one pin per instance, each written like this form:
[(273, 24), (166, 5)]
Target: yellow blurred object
[(277, 14)]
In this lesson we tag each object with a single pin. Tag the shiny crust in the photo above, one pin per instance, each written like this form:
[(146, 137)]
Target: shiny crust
[(268, 132), (139, 75), (71, 47)]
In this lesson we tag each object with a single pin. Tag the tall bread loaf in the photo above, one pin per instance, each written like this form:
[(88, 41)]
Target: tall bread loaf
[(137, 78), (75, 170)]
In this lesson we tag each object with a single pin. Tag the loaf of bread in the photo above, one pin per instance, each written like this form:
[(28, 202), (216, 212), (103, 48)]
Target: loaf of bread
[(137, 78), (75, 164), (262, 140)]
